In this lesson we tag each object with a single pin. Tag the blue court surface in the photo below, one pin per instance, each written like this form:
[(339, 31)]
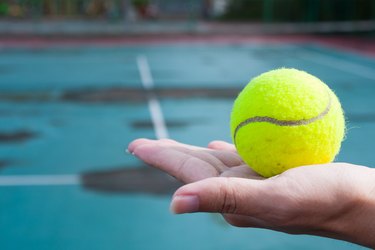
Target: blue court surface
[(68, 113)]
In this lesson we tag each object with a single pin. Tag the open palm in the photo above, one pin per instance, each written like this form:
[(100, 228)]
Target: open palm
[(322, 200)]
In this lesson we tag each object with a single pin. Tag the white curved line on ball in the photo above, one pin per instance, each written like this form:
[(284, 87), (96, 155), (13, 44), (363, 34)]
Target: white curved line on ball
[(284, 122)]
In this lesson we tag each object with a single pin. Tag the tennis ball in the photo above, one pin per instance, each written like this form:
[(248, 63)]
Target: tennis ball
[(286, 118)]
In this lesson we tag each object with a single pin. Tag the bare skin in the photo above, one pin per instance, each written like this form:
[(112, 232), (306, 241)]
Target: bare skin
[(334, 200)]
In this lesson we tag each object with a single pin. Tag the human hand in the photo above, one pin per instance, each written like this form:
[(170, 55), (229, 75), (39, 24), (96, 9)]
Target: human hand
[(334, 200)]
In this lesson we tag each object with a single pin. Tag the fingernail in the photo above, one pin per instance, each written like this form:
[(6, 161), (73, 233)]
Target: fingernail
[(128, 152), (184, 204)]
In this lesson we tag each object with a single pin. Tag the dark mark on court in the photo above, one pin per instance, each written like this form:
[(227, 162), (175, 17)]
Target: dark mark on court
[(16, 137), (135, 94), (121, 94), (147, 124), (130, 180), (4, 163)]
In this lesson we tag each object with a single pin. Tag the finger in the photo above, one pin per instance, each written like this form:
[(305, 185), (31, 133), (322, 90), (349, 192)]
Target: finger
[(161, 142), (242, 171), (204, 154), (222, 145), (173, 146), (178, 164), (141, 141), (218, 159), (207, 156), (226, 152), (223, 195), (228, 158)]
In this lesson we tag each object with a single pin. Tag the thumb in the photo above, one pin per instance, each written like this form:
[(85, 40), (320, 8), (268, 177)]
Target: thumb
[(222, 195)]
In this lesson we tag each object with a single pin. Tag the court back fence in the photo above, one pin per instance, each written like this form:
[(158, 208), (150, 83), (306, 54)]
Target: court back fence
[(229, 10)]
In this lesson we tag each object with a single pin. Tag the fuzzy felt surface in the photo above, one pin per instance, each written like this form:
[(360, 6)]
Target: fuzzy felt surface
[(295, 120)]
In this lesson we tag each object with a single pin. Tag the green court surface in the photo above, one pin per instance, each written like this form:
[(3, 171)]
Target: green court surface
[(68, 113)]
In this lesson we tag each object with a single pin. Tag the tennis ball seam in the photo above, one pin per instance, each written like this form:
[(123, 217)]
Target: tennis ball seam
[(284, 122)]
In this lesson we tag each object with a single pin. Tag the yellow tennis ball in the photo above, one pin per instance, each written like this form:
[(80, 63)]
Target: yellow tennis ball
[(286, 118)]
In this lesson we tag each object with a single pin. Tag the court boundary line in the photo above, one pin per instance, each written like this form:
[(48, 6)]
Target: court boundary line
[(40, 180), (155, 109)]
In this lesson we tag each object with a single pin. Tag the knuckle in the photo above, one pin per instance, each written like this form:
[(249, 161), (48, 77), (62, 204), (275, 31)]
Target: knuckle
[(185, 163), (228, 198)]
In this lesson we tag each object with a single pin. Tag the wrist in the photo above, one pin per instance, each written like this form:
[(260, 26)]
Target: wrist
[(356, 222)]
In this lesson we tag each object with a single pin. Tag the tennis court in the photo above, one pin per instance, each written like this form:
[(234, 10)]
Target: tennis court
[(67, 114)]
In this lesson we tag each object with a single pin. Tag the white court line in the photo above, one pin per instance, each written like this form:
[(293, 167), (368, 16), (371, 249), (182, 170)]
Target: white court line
[(343, 65), (145, 72), (39, 180), (71, 180), (153, 103)]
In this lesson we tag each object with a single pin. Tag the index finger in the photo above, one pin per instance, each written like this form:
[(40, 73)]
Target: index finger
[(181, 165)]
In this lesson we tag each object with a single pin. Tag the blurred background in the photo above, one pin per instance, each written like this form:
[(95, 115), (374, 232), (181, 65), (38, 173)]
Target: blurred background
[(249, 10), (80, 79), (124, 16)]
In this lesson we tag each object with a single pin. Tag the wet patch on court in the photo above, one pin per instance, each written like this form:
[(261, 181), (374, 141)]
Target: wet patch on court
[(106, 95), (147, 124), (17, 136), (134, 94), (134, 180), (28, 96), (4, 163)]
